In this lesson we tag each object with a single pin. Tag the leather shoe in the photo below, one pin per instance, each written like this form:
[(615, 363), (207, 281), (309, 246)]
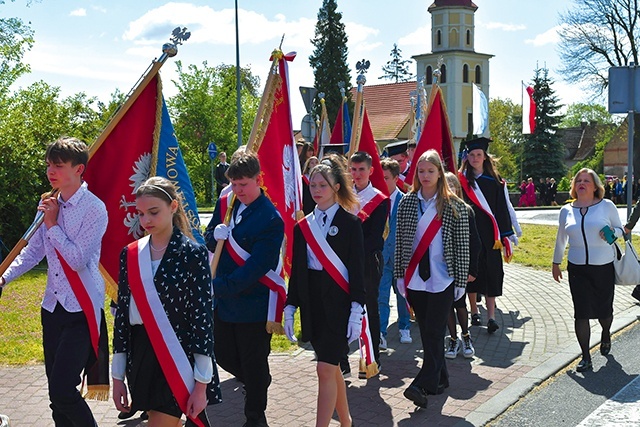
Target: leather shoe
[(636, 292), (584, 365), (605, 348), (439, 390), (126, 415), (417, 395)]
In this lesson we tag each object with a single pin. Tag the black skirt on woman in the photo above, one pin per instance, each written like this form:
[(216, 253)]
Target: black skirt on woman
[(328, 343), (592, 288)]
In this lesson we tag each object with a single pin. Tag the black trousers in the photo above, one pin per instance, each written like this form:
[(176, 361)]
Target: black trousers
[(432, 311), (372, 273), (242, 349), (67, 346)]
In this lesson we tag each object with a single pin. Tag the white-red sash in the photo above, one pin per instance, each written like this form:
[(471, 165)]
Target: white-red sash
[(427, 229), (478, 199), (224, 203), (326, 255), (365, 341), (305, 178), (369, 203), (83, 287), (272, 280), (173, 360)]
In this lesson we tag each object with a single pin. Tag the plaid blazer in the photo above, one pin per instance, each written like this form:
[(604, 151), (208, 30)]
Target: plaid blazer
[(455, 237)]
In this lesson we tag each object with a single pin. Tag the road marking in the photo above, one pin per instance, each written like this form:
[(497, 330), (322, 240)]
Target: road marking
[(623, 409)]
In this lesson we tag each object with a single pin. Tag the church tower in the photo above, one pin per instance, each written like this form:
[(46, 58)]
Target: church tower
[(452, 50)]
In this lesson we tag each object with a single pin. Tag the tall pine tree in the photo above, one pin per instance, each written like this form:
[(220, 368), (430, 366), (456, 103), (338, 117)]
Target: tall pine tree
[(543, 152), (397, 69), (329, 58)]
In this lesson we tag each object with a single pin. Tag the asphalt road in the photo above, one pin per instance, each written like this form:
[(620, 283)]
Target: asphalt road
[(569, 397)]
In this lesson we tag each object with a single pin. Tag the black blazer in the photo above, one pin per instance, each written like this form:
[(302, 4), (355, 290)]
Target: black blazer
[(348, 246)]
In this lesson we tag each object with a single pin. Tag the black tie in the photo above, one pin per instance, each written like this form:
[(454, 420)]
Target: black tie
[(324, 218), (424, 270)]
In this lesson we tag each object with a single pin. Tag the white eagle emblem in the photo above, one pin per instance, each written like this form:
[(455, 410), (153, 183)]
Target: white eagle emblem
[(289, 177), (141, 172)]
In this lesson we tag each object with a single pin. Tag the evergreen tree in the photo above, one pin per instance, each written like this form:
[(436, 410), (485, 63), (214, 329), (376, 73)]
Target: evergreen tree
[(329, 58), (543, 152), (397, 69)]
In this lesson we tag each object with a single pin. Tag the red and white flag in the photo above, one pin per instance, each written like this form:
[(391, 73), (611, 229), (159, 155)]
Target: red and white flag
[(528, 111), (368, 144)]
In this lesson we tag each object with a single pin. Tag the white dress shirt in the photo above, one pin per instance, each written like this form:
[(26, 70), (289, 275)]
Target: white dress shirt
[(82, 221), (312, 261), (439, 278)]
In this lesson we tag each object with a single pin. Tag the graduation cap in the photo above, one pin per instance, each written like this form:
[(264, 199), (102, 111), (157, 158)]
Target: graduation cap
[(394, 148), (333, 148), (476, 143)]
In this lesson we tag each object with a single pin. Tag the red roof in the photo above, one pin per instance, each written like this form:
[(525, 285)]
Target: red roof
[(449, 3), (389, 107)]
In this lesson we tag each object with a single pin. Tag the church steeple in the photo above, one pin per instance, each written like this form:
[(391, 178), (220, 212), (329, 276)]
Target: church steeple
[(452, 24)]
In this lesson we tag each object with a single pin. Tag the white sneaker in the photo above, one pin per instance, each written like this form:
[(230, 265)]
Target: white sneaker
[(453, 348), (383, 342), (405, 336), (467, 348)]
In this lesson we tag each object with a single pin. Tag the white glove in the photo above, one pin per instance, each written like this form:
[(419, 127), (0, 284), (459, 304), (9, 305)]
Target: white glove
[(221, 232), (289, 313), (458, 292), (514, 239), (354, 327)]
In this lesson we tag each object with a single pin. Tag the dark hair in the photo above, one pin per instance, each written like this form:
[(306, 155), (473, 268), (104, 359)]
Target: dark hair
[(243, 165), (489, 166), (163, 189), (333, 171), (361, 157), (306, 169), (391, 165), (68, 149)]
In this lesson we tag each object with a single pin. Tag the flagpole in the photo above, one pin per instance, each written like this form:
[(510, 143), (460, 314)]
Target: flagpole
[(362, 67), (238, 82), (169, 50)]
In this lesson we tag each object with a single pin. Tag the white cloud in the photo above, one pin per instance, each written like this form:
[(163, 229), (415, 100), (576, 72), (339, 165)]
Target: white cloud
[(504, 27), (99, 9), (421, 37), (548, 37), (78, 12), (218, 26)]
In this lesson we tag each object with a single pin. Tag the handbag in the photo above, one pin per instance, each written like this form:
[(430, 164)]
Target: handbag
[(626, 265)]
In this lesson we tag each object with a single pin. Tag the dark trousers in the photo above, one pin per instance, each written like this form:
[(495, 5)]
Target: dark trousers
[(242, 349), (372, 273), (67, 346), (432, 312)]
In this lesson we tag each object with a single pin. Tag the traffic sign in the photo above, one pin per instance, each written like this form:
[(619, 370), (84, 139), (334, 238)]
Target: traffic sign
[(308, 128), (213, 151)]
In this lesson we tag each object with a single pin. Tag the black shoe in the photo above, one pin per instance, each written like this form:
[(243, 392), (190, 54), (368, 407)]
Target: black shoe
[(605, 348), (126, 415), (584, 365), (144, 416), (492, 326), (439, 390), (636, 292), (417, 395), (478, 297), (476, 320)]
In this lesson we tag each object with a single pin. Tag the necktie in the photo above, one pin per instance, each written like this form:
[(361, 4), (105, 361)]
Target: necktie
[(424, 270)]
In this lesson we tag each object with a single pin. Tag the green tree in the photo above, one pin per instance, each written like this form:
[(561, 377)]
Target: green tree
[(591, 113), (506, 133), (543, 151), (204, 111), (16, 38), (397, 69), (329, 58)]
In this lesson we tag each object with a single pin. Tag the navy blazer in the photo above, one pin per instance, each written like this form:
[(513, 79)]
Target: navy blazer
[(238, 296), (348, 246)]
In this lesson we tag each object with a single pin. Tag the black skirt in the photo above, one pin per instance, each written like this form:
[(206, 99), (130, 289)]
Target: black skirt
[(592, 288), (330, 344), (147, 384)]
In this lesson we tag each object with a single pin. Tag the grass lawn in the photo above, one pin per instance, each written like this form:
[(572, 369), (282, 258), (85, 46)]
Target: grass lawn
[(20, 330)]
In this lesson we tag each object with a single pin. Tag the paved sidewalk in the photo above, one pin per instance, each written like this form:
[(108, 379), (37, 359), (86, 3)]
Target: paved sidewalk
[(534, 341)]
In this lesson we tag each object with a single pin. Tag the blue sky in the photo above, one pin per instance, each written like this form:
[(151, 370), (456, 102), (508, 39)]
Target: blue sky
[(98, 46)]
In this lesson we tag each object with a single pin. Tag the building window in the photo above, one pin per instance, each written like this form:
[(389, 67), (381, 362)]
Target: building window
[(465, 73), (429, 74), (438, 38), (443, 76), (478, 75), (468, 37)]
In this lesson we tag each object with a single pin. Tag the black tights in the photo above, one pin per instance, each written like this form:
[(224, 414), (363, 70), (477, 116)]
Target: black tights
[(463, 318), (583, 333)]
